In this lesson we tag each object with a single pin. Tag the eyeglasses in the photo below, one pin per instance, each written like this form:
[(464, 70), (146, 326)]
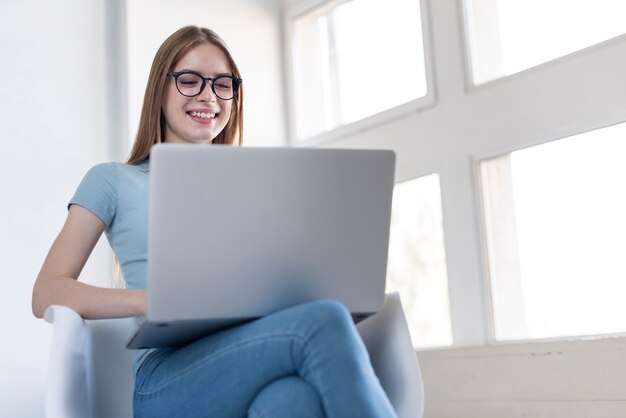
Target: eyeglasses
[(191, 84)]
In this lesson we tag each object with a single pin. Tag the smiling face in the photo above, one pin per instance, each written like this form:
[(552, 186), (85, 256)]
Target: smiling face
[(198, 119)]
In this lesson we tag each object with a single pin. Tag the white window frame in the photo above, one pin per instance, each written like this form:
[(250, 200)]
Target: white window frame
[(570, 95), (296, 8), (490, 264)]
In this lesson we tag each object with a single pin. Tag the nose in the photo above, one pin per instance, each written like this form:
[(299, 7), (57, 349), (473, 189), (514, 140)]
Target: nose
[(207, 95)]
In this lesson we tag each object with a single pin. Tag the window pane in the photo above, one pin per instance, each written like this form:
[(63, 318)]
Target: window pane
[(508, 36), (417, 261), (377, 67), (346, 61), (556, 233)]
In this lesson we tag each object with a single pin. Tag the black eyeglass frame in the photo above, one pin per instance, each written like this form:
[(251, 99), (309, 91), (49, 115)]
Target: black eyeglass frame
[(236, 83)]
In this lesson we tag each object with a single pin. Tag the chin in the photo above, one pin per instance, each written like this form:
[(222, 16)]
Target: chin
[(201, 139)]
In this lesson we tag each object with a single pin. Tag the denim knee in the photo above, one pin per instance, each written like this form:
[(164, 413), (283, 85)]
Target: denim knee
[(331, 319), (330, 311)]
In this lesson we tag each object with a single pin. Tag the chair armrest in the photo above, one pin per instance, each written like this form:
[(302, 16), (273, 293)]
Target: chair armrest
[(67, 386)]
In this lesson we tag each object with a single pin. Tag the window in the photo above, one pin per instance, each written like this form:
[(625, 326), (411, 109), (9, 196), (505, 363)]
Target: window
[(417, 261), (556, 236), (508, 36), (353, 59)]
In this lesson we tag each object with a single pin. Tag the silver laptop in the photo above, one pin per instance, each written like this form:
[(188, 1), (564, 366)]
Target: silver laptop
[(236, 233)]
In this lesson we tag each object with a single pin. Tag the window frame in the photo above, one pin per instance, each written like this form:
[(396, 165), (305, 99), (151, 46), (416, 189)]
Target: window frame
[(570, 95), (486, 251), (297, 8), (560, 98)]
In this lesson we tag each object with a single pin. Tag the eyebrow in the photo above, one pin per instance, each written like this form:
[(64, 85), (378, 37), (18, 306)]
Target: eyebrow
[(198, 72)]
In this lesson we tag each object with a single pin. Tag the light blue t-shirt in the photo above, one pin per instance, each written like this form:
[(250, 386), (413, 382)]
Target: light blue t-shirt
[(118, 194)]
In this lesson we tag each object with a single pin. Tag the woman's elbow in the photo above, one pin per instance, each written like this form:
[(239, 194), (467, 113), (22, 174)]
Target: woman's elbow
[(37, 304)]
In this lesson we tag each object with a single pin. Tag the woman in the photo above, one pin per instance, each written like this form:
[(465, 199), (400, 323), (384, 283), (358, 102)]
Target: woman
[(304, 361)]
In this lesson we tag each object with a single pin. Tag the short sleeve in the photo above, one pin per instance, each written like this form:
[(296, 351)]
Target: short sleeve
[(97, 192)]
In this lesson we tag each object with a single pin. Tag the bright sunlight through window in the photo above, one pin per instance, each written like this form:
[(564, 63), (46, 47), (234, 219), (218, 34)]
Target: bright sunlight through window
[(353, 59), (508, 36), (417, 261), (556, 235)]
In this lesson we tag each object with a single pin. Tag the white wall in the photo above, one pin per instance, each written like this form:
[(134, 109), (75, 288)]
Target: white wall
[(52, 129), (63, 101)]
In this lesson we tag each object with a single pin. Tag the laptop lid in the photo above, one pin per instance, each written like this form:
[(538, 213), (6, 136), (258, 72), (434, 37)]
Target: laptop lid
[(237, 232)]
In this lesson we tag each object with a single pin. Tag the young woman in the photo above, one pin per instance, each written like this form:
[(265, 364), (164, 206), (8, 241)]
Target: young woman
[(305, 361)]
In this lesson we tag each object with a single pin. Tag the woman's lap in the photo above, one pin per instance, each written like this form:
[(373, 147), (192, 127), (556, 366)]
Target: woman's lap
[(223, 374)]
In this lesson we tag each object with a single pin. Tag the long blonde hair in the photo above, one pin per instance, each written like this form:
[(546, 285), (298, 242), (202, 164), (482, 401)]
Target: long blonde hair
[(152, 121)]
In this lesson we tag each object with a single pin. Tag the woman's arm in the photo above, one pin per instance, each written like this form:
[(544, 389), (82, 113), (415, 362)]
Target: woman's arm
[(57, 282)]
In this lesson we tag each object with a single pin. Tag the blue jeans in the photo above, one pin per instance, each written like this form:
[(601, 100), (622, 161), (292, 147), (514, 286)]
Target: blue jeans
[(305, 361)]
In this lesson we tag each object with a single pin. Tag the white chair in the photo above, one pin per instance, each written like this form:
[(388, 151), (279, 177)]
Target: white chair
[(386, 336), (90, 370)]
